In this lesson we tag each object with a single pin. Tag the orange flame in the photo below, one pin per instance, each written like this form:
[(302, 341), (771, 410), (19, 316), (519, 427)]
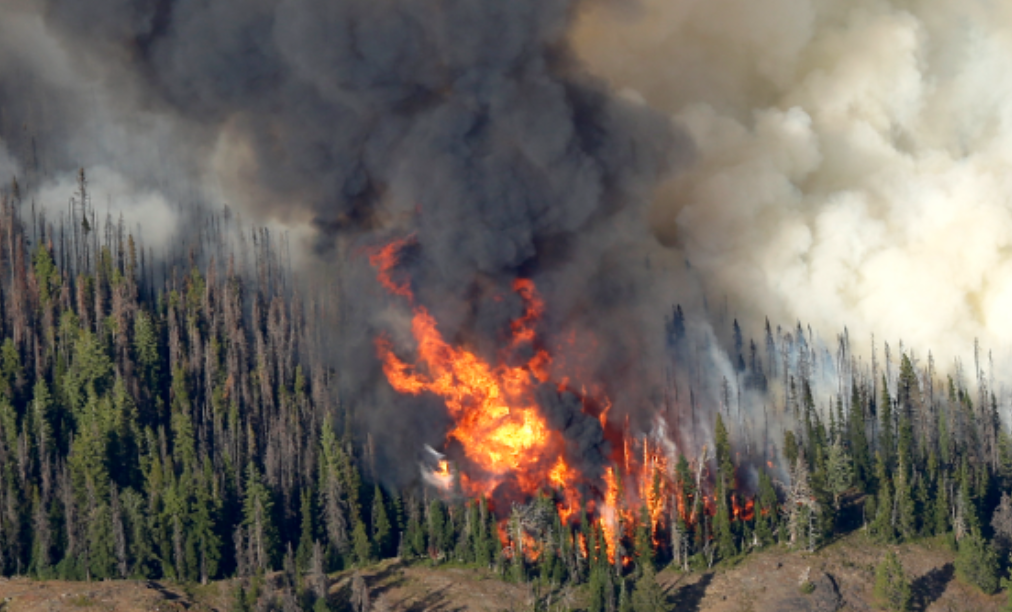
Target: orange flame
[(385, 259), (609, 514), (505, 436), (496, 416)]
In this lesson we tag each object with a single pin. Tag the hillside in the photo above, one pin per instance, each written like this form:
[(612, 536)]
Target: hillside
[(842, 572)]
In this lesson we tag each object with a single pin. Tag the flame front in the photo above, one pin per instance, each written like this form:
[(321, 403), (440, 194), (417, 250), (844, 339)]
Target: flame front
[(505, 437), (496, 417)]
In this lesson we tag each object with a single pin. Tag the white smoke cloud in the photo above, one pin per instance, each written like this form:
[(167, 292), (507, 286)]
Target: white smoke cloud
[(147, 214), (854, 157)]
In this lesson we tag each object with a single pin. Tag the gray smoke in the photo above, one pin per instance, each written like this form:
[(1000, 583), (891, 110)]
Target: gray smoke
[(852, 157), (467, 125)]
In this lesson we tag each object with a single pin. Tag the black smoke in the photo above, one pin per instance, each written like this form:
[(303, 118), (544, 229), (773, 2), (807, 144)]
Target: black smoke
[(466, 124)]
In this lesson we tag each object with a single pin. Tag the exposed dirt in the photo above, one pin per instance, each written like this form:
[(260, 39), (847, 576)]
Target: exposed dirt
[(23, 594), (842, 574)]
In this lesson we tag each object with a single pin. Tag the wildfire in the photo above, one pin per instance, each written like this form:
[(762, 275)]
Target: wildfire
[(384, 260), (741, 512), (496, 416), (562, 478), (609, 514), (505, 437)]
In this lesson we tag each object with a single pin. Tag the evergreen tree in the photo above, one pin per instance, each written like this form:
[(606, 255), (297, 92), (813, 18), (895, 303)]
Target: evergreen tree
[(722, 526), (307, 531), (839, 472), (892, 590), (885, 440), (362, 546), (381, 535), (857, 438), (905, 508), (648, 596), (644, 545), (259, 521), (203, 531), (883, 526), (977, 562)]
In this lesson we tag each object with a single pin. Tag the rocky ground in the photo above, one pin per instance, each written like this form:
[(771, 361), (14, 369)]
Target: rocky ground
[(843, 574)]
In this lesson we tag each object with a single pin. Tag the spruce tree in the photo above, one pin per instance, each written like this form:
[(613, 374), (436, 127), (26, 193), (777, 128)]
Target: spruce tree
[(857, 438), (722, 526), (307, 531), (977, 562), (885, 440), (361, 545), (381, 535), (258, 519), (892, 590), (882, 526), (839, 472), (643, 545), (648, 596)]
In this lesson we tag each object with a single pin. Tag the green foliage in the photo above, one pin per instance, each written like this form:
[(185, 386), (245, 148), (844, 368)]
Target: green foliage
[(644, 547), (977, 562), (790, 447), (886, 427), (839, 471), (362, 546), (892, 589), (882, 526), (1006, 583), (258, 519), (648, 596), (381, 533), (46, 274), (722, 526)]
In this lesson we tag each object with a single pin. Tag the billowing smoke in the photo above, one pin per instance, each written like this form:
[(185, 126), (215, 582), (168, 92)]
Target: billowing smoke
[(468, 128), (853, 157)]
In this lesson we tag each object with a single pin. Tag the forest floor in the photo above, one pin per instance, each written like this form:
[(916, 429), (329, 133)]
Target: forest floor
[(843, 574)]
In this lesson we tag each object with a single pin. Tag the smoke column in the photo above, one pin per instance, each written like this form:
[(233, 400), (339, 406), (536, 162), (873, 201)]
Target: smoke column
[(841, 164), (853, 158), (468, 128)]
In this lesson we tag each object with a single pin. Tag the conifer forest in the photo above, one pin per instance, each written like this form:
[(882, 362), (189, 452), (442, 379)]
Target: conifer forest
[(180, 424), (503, 306)]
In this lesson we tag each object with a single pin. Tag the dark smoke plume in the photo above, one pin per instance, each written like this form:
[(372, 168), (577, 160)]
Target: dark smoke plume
[(467, 125)]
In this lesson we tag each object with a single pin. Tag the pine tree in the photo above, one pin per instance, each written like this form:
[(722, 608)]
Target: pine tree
[(722, 526), (643, 546), (883, 526), (307, 531), (886, 427), (380, 525), (892, 590), (648, 596), (259, 521), (905, 508), (839, 472), (977, 562), (203, 531), (857, 438), (362, 546)]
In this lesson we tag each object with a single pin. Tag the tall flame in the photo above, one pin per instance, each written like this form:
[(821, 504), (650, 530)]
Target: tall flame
[(506, 438), (496, 416)]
